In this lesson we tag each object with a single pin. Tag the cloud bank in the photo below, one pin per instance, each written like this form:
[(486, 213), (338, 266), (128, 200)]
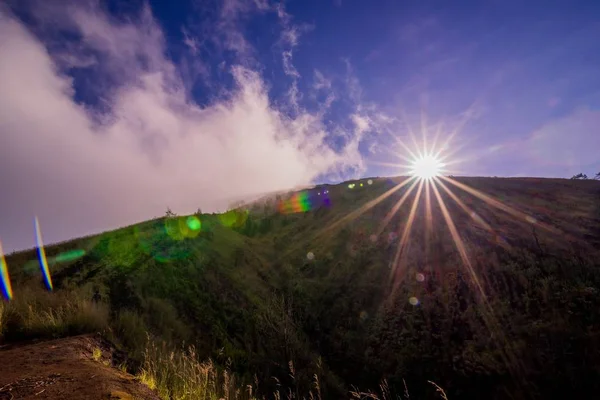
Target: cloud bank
[(147, 145)]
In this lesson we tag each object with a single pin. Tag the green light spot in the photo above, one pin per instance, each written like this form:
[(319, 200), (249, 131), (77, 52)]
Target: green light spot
[(193, 223), (234, 218), (69, 255)]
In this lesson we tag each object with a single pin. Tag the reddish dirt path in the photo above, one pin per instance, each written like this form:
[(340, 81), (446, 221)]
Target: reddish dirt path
[(65, 369)]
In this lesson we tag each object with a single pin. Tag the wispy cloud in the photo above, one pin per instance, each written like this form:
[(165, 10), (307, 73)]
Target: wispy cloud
[(320, 82)]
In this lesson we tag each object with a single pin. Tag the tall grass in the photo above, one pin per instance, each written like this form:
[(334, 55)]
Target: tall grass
[(180, 375), (37, 314)]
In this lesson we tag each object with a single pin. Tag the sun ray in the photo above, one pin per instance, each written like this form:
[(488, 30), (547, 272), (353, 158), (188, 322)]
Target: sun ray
[(395, 209), (405, 147), (501, 206), (394, 153), (424, 130), (474, 216), (428, 221), (397, 272), (438, 131), (365, 207), (489, 318), (428, 212), (388, 164), (465, 159), (466, 118), (459, 243), (448, 154), (411, 134)]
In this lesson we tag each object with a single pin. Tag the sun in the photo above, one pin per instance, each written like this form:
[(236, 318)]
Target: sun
[(427, 166)]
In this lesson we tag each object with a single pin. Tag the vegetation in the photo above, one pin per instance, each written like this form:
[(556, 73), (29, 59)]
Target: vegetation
[(35, 314), (579, 176), (276, 299)]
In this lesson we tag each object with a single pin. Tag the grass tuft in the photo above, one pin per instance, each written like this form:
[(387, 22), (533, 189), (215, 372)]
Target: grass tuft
[(96, 354)]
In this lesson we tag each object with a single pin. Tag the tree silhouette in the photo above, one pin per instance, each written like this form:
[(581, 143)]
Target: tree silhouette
[(597, 176), (579, 176)]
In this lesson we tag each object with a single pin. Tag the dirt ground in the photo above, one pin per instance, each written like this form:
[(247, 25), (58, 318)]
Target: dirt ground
[(66, 369)]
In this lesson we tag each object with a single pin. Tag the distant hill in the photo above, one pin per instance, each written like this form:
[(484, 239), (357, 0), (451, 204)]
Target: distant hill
[(493, 294)]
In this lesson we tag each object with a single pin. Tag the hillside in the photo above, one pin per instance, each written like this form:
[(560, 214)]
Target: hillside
[(490, 289)]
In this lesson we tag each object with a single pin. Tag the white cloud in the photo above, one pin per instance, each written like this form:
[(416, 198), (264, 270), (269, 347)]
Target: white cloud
[(361, 123), (81, 172)]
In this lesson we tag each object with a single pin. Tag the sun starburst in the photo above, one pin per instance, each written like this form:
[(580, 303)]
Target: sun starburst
[(427, 166)]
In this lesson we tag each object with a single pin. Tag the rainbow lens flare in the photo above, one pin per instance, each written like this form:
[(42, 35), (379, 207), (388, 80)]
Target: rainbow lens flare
[(299, 202), (6, 286), (304, 201), (42, 255)]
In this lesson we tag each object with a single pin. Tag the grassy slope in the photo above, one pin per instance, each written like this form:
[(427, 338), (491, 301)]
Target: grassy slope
[(247, 295)]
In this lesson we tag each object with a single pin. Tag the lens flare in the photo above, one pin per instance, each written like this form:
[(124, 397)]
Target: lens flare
[(300, 202), (5, 277), (193, 223), (234, 218), (42, 255), (164, 240), (304, 201), (68, 256)]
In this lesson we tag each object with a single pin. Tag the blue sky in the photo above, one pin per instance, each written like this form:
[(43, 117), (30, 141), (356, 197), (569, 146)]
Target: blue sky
[(115, 110)]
